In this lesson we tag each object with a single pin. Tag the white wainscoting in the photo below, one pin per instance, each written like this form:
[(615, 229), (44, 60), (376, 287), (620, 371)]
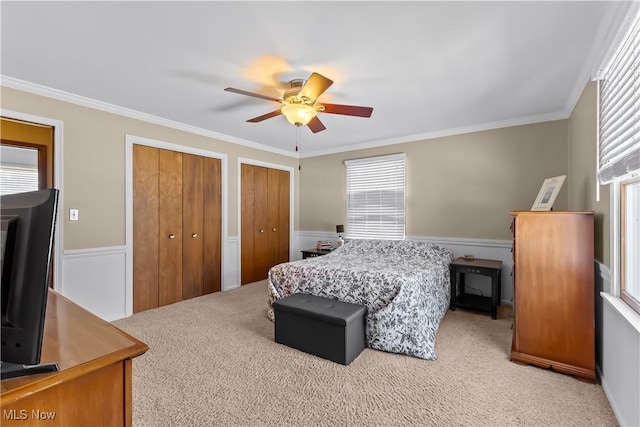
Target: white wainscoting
[(487, 249), (231, 279), (619, 347), (95, 280)]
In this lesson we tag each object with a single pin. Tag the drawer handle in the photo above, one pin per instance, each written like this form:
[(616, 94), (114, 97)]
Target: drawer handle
[(194, 235), (262, 230), (273, 229), (172, 236)]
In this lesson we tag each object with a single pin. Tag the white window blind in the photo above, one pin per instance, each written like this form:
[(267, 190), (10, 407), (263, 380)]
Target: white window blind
[(376, 197), (619, 121), (17, 180)]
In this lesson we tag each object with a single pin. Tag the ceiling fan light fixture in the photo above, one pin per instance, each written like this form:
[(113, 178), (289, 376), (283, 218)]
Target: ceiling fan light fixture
[(298, 114), (299, 106)]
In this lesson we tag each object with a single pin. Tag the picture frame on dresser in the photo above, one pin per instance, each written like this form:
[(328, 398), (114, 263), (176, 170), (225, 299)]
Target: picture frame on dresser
[(548, 193)]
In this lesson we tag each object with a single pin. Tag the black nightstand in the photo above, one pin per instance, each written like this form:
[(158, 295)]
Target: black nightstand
[(484, 267), (312, 253)]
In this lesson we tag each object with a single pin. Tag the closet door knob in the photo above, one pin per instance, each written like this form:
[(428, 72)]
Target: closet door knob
[(172, 236), (273, 229), (194, 235), (262, 230)]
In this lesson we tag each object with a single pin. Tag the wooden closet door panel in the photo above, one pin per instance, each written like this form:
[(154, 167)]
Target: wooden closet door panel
[(273, 213), (145, 228), (192, 222), (279, 215), (170, 229), (284, 219), (212, 225), (248, 223), (262, 248)]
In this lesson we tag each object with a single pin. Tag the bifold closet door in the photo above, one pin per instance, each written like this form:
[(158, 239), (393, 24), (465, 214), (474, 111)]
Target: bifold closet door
[(261, 232), (202, 216), (264, 220), (170, 227), (177, 226), (212, 204), (278, 216), (145, 227), (247, 223), (192, 220)]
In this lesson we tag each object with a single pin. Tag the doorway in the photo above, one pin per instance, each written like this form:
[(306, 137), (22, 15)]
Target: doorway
[(27, 164), (26, 161)]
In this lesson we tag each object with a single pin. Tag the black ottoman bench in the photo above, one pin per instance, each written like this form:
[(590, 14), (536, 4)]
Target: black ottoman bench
[(324, 327)]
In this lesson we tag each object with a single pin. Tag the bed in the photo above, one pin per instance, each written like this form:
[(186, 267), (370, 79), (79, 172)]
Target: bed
[(404, 285)]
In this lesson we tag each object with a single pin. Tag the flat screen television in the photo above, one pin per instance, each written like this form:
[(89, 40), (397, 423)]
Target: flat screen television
[(28, 224)]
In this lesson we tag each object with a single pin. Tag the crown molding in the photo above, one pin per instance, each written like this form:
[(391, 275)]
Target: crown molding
[(549, 117), (60, 95), (83, 101)]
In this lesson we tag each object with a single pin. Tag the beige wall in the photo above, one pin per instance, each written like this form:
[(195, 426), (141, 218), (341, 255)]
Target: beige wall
[(94, 165), (582, 169), (458, 186)]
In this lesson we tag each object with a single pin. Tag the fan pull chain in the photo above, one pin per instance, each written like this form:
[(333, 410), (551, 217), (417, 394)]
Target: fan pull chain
[(298, 145)]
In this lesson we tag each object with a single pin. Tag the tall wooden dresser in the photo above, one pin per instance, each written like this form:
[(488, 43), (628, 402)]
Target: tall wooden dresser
[(553, 277)]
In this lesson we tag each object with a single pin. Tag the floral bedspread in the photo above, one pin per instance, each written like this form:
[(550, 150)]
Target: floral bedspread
[(404, 285)]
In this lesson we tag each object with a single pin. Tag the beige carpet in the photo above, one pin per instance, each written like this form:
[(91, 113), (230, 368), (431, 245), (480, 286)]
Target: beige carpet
[(212, 361)]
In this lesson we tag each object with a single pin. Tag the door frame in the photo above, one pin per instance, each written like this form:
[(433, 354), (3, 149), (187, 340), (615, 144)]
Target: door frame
[(253, 162), (130, 140), (58, 144)]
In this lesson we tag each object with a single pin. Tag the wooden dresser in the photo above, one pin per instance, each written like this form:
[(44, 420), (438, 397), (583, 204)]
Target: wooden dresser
[(93, 386), (553, 277)]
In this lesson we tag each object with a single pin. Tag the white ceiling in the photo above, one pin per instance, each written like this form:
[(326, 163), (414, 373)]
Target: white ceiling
[(427, 68)]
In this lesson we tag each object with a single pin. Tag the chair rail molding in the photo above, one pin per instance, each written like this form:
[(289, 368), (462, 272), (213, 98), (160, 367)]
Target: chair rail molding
[(480, 248)]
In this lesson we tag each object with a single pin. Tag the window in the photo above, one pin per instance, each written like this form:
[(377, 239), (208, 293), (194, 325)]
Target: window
[(18, 170), (375, 197), (630, 243), (619, 161), (619, 122)]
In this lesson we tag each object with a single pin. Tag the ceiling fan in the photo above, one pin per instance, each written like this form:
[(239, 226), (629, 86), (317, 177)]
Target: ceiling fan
[(300, 106)]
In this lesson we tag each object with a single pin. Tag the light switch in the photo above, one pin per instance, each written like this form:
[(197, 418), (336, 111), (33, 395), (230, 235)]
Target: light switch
[(73, 215)]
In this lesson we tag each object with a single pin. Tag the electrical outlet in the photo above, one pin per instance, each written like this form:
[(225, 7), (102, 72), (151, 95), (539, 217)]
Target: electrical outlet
[(74, 215)]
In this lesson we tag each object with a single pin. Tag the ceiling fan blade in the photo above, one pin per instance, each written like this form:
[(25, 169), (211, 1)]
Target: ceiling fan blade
[(264, 117), (315, 86), (347, 110), (255, 95), (316, 125)]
